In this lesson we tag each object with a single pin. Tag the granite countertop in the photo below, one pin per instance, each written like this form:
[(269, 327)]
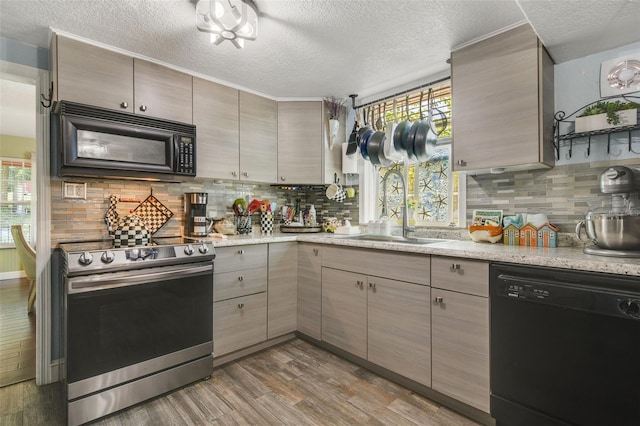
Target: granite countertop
[(561, 257)]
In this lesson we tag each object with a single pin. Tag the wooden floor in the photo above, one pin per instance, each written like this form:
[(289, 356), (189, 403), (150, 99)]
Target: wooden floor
[(17, 333), (294, 383)]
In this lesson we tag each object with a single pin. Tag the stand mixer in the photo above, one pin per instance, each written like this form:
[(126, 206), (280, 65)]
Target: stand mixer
[(615, 231)]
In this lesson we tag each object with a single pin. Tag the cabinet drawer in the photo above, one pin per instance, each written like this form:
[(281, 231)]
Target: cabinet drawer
[(227, 285), (399, 266), (461, 275), (240, 257), (239, 323)]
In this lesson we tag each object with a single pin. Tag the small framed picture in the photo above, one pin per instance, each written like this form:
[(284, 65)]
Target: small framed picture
[(487, 217), (74, 190)]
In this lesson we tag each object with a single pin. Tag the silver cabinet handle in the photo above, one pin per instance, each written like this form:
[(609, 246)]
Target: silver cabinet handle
[(282, 178), (438, 299), (316, 251), (372, 285), (455, 267), (234, 174), (461, 163), (240, 251), (143, 108), (245, 174), (124, 105), (240, 305), (240, 278)]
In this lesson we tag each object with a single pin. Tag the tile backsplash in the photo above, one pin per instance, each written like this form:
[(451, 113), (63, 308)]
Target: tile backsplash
[(565, 193), (83, 220)]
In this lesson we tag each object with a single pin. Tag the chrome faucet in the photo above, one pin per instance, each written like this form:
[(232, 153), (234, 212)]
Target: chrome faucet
[(405, 215)]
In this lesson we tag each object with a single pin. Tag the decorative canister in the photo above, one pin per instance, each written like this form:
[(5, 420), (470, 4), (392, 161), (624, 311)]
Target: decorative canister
[(266, 222)]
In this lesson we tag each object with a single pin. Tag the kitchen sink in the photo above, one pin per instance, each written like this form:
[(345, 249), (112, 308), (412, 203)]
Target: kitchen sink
[(394, 239)]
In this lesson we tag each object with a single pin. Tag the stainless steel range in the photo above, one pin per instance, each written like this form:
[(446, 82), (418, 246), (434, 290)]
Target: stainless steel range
[(138, 322)]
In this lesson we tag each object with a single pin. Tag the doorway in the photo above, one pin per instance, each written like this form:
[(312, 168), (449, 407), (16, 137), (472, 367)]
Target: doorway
[(18, 115)]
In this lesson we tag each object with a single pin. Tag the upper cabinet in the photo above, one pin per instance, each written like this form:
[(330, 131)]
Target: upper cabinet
[(215, 114), (502, 103), (162, 92), (91, 75), (258, 138), (303, 153)]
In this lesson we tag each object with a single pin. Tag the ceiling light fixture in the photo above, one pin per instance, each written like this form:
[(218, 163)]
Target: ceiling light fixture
[(233, 20)]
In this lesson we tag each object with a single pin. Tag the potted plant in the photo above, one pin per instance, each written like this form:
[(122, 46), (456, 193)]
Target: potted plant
[(335, 108), (607, 115)]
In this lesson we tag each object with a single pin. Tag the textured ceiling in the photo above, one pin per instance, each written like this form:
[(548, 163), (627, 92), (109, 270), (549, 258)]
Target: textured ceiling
[(316, 48)]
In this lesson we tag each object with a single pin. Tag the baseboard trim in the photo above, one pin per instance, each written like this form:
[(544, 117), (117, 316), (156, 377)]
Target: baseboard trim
[(234, 356), (12, 275)]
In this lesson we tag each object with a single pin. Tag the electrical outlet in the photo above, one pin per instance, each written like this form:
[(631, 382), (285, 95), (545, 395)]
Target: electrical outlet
[(74, 190)]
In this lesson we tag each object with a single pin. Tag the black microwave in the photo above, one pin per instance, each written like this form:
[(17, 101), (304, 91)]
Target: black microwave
[(97, 142)]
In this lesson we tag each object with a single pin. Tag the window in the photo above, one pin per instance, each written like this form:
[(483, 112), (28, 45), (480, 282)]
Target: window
[(15, 198), (435, 194)]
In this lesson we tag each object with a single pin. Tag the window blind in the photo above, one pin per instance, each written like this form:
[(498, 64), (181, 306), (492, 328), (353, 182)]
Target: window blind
[(15, 197)]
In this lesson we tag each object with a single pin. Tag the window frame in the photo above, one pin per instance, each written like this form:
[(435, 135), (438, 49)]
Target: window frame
[(30, 203)]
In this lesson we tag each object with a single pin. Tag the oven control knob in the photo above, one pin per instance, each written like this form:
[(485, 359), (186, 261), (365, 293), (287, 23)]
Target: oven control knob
[(203, 248), (85, 258), (630, 307), (107, 256), (188, 250)]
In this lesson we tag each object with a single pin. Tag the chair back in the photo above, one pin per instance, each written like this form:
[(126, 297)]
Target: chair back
[(26, 253)]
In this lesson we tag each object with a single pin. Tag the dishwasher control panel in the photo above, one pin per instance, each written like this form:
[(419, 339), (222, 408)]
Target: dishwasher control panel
[(526, 291)]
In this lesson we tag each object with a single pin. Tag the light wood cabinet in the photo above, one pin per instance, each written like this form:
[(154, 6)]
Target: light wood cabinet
[(162, 92), (240, 297), (239, 323), (399, 336), (460, 330), (258, 138), (344, 310), (92, 75), (382, 318), (310, 290), (502, 103), (216, 116), (283, 289), (304, 156)]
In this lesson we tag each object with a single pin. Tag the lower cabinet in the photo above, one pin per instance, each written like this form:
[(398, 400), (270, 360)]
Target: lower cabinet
[(344, 310), (309, 309), (240, 297), (399, 338), (282, 289), (239, 323), (384, 320), (460, 330)]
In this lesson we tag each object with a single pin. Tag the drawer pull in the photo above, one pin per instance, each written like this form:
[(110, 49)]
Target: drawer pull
[(438, 299), (124, 105), (240, 251), (455, 267), (240, 278), (143, 108), (240, 305), (372, 286), (315, 251)]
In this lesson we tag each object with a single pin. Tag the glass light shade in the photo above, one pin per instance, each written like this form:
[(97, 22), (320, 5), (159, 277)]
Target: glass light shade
[(233, 20)]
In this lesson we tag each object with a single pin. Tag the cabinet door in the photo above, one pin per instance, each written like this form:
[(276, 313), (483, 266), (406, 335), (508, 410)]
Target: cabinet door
[(239, 323), (495, 102), (283, 289), (344, 310), (300, 143), (460, 347), (399, 337), (90, 75), (162, 92), (258, 138), (310, 289), (215, 114)]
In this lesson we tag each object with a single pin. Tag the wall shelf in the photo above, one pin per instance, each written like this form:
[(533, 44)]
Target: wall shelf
[(567, 139)]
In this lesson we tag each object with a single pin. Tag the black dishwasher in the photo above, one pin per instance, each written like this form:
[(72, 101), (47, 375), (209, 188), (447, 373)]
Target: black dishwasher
[(565, 347)]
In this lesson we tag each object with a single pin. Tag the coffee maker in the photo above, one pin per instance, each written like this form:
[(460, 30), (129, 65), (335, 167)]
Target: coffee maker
[(195, 214)]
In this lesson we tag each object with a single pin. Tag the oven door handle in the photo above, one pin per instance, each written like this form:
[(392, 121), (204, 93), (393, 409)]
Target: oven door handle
[(97, 282)]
